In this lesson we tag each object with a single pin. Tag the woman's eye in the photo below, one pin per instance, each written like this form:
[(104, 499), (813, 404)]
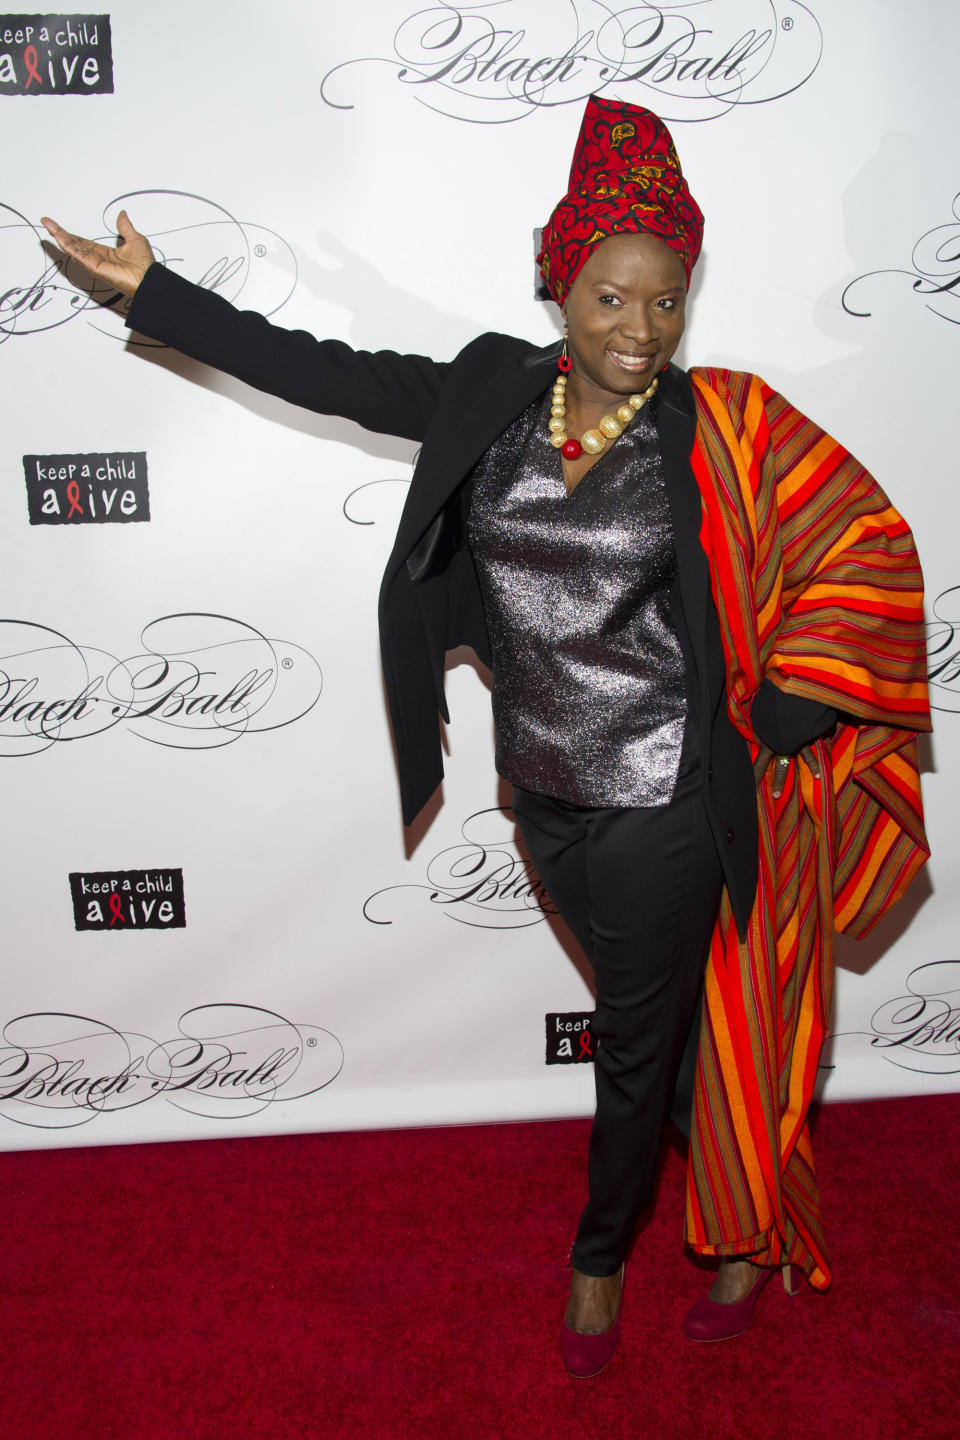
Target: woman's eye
[(609, 300), (667, 303)]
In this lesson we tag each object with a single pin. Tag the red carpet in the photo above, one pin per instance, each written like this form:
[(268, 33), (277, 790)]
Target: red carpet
[(406, 1284)]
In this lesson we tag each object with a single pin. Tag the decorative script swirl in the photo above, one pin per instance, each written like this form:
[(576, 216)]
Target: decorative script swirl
[(933, 274), (198, 682), (498, 60), (58, 1070), (484, 882)]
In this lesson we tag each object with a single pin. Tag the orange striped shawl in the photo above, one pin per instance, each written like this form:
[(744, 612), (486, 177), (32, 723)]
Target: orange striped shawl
[(818, 586)]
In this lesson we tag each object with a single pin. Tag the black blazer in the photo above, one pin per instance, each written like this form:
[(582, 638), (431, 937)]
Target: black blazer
[(430, 598)]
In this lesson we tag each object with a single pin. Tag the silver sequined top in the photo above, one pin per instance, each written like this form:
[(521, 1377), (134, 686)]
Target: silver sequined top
[(589, 697)]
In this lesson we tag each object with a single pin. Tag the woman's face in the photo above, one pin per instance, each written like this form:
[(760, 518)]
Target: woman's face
[(625, 316)]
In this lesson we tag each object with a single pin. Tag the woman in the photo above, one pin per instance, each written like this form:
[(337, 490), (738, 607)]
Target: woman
[(703, 621)]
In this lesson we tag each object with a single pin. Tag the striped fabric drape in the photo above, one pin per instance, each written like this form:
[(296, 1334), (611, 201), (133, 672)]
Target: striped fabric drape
[(818, 587)]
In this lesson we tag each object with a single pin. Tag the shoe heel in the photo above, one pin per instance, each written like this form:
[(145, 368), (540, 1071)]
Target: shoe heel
[(792, 1276), (714, 1320)]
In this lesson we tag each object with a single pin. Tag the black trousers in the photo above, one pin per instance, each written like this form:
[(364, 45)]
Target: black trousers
[(640, 890)]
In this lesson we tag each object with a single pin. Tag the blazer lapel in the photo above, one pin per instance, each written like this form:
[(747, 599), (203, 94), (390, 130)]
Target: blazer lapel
[(491, 400), (677, 427)]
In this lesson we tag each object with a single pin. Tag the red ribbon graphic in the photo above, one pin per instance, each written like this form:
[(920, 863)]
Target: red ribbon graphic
[(586, 1048), (116, 910), (30, 56), (73, 495)]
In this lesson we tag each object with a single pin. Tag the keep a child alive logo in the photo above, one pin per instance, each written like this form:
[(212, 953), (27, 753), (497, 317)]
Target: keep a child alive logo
[(55, 55), (125, 900), (92, 489), (570, 1037)]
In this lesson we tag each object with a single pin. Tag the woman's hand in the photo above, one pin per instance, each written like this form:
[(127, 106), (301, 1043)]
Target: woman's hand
[(781, 764), (123, 267)]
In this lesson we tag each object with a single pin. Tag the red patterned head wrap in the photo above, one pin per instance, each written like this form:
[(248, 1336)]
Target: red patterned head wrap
[(625, 176)]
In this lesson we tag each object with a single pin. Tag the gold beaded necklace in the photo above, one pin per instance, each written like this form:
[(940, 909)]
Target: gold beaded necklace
[(608, 428)]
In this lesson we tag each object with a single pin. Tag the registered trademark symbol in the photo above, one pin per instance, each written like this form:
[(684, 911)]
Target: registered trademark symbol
[(311, 1041), (287, 663), (786, 23), (261, 250)]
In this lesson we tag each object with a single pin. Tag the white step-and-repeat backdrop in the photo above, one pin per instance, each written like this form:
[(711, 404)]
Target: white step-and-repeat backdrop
[(211, 919)]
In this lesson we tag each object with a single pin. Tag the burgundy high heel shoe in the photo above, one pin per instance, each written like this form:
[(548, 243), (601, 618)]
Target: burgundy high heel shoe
[(586, 1355), (709, 1320)]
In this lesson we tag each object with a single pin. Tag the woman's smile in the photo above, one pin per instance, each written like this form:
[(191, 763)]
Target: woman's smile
[(633, 363)]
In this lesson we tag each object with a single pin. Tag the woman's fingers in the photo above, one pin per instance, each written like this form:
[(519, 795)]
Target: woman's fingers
[(88, 252), (781, 768), (66, 241), (778, 765), (809, 754), (123, 266), (125, 228), (764, 756)]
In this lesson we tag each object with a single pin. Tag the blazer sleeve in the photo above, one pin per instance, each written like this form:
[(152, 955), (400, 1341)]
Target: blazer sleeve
[(382, 391)]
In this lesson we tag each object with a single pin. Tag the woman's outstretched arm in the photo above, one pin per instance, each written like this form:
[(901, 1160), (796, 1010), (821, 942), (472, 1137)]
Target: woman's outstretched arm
[(381, 390)]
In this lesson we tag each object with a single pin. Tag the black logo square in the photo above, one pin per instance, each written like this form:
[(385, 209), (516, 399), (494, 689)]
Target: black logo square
[(570, 1038)]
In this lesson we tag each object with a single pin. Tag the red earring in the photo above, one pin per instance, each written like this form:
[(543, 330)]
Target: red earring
[(564, 363)]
